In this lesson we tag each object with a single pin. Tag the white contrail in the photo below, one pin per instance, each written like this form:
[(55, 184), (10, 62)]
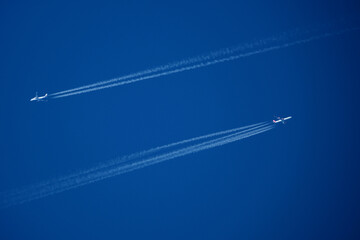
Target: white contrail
[(282, 41), (59, 187), (46, 186), (56, 186), (146, 153), (50, 186), (152, 150)]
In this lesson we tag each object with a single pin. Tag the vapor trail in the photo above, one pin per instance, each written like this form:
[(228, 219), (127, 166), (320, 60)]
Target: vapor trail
[(120, 167), (152, 150), (284, 40), (143, 154)]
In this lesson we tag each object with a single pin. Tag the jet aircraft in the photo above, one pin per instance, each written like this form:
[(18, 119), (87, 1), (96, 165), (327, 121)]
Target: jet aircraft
[(38, 99), (282, 120)]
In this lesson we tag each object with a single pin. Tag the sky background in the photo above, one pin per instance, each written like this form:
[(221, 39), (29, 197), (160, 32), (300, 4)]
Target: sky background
[(298, 181)]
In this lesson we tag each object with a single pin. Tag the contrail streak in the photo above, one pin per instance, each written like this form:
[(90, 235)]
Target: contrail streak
[(141, 154), (228, 54), (148, 152), (119, 167), (49, 188)]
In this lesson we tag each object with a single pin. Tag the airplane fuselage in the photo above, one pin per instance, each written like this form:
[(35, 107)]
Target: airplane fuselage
[(282, 120), (36, 98)]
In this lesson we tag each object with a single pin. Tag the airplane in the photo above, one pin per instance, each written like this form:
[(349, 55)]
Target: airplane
[(279, 119), (38, 99)]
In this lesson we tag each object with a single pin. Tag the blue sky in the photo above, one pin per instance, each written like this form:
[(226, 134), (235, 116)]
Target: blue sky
[(298, 181)]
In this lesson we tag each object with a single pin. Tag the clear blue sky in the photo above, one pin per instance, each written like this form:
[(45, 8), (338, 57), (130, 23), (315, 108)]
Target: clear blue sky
[(298, 181)]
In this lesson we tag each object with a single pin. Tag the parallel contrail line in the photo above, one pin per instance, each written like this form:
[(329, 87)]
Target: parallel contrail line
[(48, 184), (142, 154), (26, 196), (203, 61)]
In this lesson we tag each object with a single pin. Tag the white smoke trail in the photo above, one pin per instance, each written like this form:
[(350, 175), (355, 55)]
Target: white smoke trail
[(282, 41), (152, 150), (143, 154), (70, 179), (41, 190), (157, 149)]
